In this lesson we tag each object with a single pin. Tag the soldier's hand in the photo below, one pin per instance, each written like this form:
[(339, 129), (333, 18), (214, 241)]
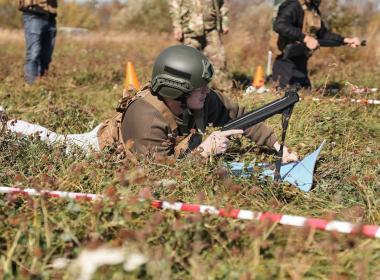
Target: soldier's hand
[(225, 31), (311, 42), (352, 42), (178, 35), (287, 155), (217, 142)]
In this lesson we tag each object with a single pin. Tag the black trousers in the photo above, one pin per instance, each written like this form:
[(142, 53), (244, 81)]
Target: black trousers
[(291, 71)]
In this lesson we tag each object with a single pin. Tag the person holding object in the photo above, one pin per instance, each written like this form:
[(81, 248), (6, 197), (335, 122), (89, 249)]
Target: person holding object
[(40, 31), (168, 116), (300, 22)]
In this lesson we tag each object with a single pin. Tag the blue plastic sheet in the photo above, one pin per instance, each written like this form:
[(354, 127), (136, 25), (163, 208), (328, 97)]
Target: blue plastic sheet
[(299, 174)]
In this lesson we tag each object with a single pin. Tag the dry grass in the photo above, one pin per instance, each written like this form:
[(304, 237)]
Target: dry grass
[(86, 80)]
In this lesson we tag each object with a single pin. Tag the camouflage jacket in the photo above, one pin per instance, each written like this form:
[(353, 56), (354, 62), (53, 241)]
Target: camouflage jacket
[(144, 125), (194, 17)]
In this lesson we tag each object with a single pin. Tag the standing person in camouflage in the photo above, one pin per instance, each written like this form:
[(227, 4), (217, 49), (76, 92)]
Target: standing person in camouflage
[(200, 24), (40, 31)]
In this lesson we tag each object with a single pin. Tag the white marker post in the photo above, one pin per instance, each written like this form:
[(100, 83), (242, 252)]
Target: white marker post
[(269, 64)]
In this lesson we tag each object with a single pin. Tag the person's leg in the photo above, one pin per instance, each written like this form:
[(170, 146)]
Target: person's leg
[(300, 73), (27, 129), (282, 72), (214, 50), (86, 141), (33, 29), (48, 43)]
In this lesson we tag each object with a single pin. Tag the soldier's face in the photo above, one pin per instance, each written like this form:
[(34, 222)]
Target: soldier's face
[(197, 98)]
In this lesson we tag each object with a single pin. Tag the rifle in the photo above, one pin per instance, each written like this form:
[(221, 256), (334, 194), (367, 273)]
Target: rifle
[(282, 106), (254, 117), (300, 49)]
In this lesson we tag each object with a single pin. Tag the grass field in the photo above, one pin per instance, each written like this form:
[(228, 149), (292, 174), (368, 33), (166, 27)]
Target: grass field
[(83, 86)]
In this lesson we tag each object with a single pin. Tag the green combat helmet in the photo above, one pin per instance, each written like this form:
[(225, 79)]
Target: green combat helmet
[(178, 70)]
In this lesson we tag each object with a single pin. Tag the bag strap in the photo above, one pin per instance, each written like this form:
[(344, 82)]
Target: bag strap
[(285, 121), (153, 100), (162, 108), (303, 4)]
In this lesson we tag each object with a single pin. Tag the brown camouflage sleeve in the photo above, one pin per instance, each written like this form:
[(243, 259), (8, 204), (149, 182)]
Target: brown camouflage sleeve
[(260, 133), (175, 13), (146, 127)]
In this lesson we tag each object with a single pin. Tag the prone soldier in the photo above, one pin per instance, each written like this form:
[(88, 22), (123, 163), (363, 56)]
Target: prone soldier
[(168, 116)]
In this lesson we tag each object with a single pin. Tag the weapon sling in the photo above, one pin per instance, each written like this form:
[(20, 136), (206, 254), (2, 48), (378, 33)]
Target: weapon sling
[(219, 25), (286, 114)]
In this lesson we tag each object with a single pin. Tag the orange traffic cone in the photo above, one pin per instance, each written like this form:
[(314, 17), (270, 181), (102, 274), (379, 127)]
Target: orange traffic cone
[(131, 81), (259, 78)]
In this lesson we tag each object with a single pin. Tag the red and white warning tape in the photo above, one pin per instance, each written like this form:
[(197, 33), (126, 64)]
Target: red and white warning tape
[(58, 194), (358, 101), (296, 221), (366, 101)]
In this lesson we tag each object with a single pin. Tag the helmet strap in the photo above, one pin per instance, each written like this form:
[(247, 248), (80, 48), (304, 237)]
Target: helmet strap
[(197, 116), (199, 120), (185, 115), (185, 120)]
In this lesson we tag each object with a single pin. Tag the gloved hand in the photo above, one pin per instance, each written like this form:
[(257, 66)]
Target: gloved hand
[(287, 156), (217, 142)]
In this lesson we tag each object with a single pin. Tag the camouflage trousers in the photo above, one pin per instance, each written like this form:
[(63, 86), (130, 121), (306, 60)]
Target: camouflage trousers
[(211, 45)]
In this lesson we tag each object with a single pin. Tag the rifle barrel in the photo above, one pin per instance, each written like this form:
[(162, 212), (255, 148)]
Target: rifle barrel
[(263, 113), (333, 43)]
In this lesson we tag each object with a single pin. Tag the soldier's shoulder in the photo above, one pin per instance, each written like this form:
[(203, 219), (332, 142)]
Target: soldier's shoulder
[(141, 105)]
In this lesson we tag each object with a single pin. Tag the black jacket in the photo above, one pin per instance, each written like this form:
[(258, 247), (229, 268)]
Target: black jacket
[(289, 21)]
